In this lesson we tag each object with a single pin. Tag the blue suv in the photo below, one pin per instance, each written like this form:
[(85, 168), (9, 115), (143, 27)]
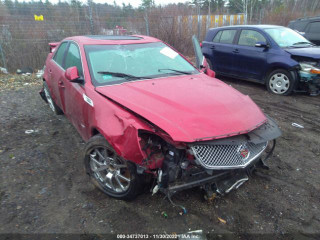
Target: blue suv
[(273, 55)]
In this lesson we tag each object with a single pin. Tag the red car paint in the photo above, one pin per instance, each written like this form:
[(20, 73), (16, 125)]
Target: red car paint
[(186, 108)]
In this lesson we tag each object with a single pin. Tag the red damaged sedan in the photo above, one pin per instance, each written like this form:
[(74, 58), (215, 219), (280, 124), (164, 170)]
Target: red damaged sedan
[(149, 116)]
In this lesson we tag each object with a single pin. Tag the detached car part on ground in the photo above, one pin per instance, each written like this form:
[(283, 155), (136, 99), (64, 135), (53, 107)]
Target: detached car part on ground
[(149, 116), (276, 56)]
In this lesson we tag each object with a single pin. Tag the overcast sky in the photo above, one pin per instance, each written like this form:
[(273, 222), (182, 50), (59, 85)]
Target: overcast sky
[(134, 3)]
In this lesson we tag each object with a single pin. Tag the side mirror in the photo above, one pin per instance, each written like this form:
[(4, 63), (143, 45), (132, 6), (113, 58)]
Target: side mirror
[(261, 45), (72, 75)]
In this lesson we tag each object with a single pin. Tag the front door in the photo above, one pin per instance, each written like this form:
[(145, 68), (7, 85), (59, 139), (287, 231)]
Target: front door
[(251, 61), (74, 93)]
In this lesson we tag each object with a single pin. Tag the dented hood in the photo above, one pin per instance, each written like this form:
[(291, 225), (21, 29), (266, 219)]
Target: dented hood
[(311, 52), (189, 108)]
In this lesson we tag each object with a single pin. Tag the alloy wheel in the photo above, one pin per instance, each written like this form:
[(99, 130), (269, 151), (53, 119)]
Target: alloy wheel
[(109, 170), (49, 99)]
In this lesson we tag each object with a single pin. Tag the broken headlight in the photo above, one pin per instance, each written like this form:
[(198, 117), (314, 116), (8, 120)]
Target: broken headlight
[(309, 67)]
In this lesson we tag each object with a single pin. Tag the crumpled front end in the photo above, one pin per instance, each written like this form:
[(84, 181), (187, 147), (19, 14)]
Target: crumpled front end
[(312, 80), (309, 74), (216, 166)]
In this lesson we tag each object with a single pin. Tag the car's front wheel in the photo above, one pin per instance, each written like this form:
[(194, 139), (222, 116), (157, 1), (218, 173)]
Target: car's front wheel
[(112, 174), (280, 82)]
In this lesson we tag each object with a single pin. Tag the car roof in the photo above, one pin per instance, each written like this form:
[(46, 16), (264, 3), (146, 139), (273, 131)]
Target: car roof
[(261, 26), (306, 19), (111, 39)]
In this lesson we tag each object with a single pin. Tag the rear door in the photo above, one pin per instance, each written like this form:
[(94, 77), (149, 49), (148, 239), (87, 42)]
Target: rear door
[(56, 73), (313, 32), (223, 50), (73, 94), (251, 61)]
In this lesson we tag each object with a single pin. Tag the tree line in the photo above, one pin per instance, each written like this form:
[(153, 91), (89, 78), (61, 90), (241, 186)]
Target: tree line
[(24, 41)]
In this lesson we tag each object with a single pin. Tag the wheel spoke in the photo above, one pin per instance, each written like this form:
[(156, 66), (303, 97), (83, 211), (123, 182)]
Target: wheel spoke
[(119, 182), (123, 177), (92, 157), (119, 165), (109, 182), (100, 155), (101, 168)]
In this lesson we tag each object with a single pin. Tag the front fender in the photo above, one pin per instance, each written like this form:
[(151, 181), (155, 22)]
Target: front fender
[(282, 62)]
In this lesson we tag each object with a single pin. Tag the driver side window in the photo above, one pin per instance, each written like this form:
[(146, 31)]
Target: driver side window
[(250, 38), (73, 58)]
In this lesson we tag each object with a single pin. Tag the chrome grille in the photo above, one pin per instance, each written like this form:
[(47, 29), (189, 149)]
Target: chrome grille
[(227, 156)]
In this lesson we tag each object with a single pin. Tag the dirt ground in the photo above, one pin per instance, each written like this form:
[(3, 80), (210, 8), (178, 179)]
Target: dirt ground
[(43, 187)]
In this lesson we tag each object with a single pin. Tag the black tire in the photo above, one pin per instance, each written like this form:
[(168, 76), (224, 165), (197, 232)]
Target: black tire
[(136, 183), (284, 86), (53, 106)]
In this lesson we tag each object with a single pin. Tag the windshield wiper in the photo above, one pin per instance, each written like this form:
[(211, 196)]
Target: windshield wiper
[(174, 70), (124, 75), (298, 43)]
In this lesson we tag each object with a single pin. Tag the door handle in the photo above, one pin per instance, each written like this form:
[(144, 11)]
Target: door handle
[(212, 47), (60, 84), (236, 51)]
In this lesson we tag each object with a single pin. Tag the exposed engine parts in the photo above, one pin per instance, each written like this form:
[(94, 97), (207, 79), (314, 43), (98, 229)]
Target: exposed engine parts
[(182, 167)]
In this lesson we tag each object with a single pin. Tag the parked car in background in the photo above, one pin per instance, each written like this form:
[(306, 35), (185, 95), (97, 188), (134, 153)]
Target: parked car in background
[(276, 56), (308, 27), (146, 112)]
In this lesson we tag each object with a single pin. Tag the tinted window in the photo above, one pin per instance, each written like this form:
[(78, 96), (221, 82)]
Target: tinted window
[(58, 57), (227, 36), (299, 26), (314, 27), (217, 37), (73, 58), (250, 37)]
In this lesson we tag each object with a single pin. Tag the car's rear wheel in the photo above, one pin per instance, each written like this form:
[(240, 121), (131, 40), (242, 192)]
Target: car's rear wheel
[(50, 101), (112, 174), (280, 82)]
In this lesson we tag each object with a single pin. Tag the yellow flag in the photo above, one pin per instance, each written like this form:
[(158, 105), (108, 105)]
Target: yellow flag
[(38, 18)]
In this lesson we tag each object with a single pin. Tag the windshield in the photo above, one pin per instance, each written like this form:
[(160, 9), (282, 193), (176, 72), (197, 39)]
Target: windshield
[(286, 37), (110, 64)]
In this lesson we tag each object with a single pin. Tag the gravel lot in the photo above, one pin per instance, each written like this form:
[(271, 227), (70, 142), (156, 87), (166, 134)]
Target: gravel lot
[(43, 187)]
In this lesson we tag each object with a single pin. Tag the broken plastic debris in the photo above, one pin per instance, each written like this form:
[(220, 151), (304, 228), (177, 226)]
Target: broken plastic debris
[(297, 125), (164, 214), (222, 220), (184, 211), (155, 190), (40, 73), (29, 131), (3, 70)]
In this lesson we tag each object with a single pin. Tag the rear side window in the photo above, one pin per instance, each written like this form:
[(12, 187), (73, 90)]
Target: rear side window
[(216, 39), (250, 38), (299, 25), (227, 36), (73, 58), (314, 27), (58, 57)]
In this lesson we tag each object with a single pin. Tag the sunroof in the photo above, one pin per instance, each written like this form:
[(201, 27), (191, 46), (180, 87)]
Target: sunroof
[(104, 37)]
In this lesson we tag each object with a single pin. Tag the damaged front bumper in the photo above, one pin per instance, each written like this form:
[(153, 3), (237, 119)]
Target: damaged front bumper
[(219, 181), (312, 82), (221, 165)]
